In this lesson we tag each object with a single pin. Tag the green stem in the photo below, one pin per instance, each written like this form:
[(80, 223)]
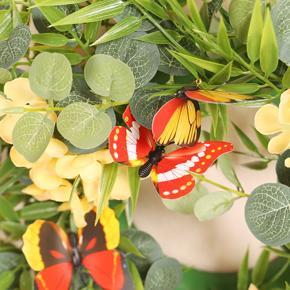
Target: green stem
[(74, 187), (204, 179), (80, 43)]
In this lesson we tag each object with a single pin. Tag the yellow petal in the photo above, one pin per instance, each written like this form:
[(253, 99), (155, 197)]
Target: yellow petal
[(7, 125), (83, 160), (77, 211), (104, 156), (284, 108), (287, 162), (266, 120), (36, 192), (92, 171), (4, 103), (64, 168), (279, 143), (44, 176), (18, 160), (91, 189), (56, 148), (253, 287), (61, 193), (121, 188)]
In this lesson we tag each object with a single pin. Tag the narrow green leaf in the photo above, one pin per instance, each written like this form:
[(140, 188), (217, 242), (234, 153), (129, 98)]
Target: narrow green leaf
[(243, 274), (255, 32), (256, 165), (39, 210), (134, 182), (6, 279), (223, 39), (26, 281), (14, 228), (56, 2), (91, 31), (52, 39), (108, 179), (195, 16), (157, 37), (153, 7), (74, 58), (6, 210), (31, 135), (223, 75), (6, 24), (245, 88), (264, 140), (137, 280), (246, 140), (122, 28), (5, 75), (269, 61), (261, 267), (127, 246), (97, 11), (286, 79)]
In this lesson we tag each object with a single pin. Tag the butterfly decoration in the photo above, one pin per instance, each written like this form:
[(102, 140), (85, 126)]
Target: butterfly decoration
[(179, 120), (49, 250), (170, 172)]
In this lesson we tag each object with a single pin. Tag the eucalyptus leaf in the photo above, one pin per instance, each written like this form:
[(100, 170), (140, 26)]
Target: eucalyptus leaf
[(283, 172), (12, 49), (5, 75), (267, 213), (164, 274), (109, 77), (84, 125), (143, 58), (31, 135), (50, 76)]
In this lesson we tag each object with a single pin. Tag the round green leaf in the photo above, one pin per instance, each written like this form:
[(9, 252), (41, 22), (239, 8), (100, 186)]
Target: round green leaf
[(50, 76), (143, 58), (5, 75), (213, 205), (83, 125), (12, 49), (268, 213), (32, 134), (164, 274), (282, 171), (109, 77), (144, 108)]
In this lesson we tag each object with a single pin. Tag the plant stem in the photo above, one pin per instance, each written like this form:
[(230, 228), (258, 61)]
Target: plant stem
[(74, 187), (204, 179), (80, 43)]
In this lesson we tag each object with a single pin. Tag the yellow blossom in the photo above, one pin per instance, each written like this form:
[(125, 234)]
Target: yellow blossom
[(253, 287), (273, 120)]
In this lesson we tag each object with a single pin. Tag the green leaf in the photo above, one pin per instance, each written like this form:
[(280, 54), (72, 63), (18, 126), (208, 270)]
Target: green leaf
[(108, 179), (127, 246), (91, 31), (282, 171), (143, 58), (31, 135), (123, 28), (7, 211), (269, 61), (164, 274), (264, 140), (9, 260), (97, 11), (255, 32), (74, 58), (144, 108), (153, 7), (14, 228), (286, 79), (157, 37), (12, 49), (6, 279), (56, 2), (50, 76), (225, 164), (260, 268), (39, 210), (223, 39), (212, 205), (6, 24), (256, 165), (137, 280), (243, 274), (194, 15), (134, 182), (51, 39), (245, 88), (281, 16), (246, 140), (5, 75), (223, 75), (84, 125), (267, 213), (26, 281), (109, 77)]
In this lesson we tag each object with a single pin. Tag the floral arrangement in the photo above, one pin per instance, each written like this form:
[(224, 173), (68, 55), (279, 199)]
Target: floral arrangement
[(97, 95)]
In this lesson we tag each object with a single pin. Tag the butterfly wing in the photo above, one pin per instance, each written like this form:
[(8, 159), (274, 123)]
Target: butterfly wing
[(130, 146), (215, 96), (97, 246), (171, 177), (47, 249), (177, 121)]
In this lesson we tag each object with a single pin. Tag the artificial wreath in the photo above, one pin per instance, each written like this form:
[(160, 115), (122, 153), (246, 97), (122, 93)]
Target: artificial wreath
[(96, 96)]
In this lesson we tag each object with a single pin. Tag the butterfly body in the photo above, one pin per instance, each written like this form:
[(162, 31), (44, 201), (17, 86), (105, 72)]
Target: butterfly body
[(75, 252)]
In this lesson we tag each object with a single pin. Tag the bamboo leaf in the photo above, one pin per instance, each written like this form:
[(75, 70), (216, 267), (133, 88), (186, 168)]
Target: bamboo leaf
[(194, 15), (223, 75), (39, 210), (6, 210), (243, 274), (127, 246), (134, 182), (52, 39), (261, 267), (157, 37), (264, 140), (286, 79), (56, 2), (137, 280), (153, 7), (223, 40)]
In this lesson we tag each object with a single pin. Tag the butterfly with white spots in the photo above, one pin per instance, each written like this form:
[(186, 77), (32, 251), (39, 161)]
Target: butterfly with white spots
[(170, 172)]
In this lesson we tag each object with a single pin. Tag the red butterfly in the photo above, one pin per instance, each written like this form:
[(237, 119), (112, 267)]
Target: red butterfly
[(51, 251), (169, 172)]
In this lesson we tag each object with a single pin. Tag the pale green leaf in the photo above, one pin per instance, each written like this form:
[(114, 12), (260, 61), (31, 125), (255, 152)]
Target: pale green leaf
[(6, 210), (39, 210), (212, 205), (83, 125), (267, 213), (243, 274), (50, 76), (222, 76), (51, 39), (153, 7), (31, 135), (5, 75), (157, 37), (6, 279), (143, 58), (56, 2), (134, 182), (286, 79), (123, 28), (194, 15), (223, 39), (260, 268), (109, 77), (243, 88), (6, 24), (97, 11)]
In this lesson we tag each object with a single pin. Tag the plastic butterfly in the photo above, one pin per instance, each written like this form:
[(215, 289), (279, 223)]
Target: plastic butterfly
[(170, 171), (51, 251)]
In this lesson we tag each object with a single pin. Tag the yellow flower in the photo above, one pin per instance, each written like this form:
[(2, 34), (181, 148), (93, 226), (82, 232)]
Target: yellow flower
[(253, 287), (273, 120), (18, 94)]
